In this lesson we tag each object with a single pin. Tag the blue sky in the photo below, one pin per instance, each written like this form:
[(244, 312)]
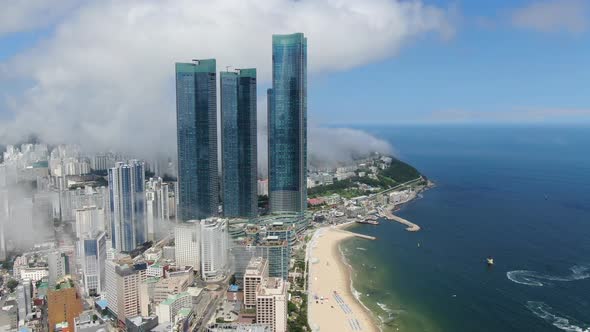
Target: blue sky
[(433, 61)]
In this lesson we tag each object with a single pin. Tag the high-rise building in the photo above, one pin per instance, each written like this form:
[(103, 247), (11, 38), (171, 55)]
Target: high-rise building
[(64, 304), (196, 120), (122, 284), (256, 271), (271, 304), (88, 220), (214, 248), (157, 207), (276, 251), (187, 238), (127, 203), (94, 256), (287, 125), (23, 299), (58, 266), (239, 143)]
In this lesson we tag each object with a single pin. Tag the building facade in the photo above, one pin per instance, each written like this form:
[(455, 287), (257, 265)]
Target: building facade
[(94, 256), (187, 239), (64, 304), (123, 291), (196, 120), (157, 207), (287, 125), (214, 248), (127, 205), (271, 304), (239, 143), (256, 271)]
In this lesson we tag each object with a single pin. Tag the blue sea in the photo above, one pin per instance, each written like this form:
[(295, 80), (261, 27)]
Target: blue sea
[(520, 194)]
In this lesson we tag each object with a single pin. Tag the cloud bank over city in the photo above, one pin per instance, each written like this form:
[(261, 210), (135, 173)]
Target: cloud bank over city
[(104, 77)]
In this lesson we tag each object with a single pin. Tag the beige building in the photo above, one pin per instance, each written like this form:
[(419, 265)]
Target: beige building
[(271, 304), (256, 271), (170, 286), (123, 291)]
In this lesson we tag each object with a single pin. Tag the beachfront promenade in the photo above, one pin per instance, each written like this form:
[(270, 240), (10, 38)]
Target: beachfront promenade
[(386, 213)]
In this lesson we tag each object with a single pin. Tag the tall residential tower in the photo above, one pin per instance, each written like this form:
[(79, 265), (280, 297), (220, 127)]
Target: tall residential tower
[(127, 200), (287, 125), (196, 120), (239, 145)]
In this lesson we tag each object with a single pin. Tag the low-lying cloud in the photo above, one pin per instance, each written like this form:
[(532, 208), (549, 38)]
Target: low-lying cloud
[(105, 77)]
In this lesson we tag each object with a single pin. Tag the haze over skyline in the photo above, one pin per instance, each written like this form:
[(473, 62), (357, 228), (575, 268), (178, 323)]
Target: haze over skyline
[(99, 73)]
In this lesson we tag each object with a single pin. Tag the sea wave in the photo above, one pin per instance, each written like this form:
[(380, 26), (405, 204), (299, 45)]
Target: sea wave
[(532, 278), (361, 248), (384, 308), (542, 310)]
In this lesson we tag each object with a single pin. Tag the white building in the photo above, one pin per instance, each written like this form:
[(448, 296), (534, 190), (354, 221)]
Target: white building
[(56, 262), (187, 244), (256, 271), (89, 219), (271, 304), (157, 207), (263, 187), (214, 248), (33, 273), (168, 309), (94, 255)]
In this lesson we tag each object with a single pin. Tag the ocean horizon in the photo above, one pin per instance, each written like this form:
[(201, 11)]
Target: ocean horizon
[(520, 194)]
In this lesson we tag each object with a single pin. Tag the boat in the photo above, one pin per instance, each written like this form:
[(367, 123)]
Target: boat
[(490, 261)]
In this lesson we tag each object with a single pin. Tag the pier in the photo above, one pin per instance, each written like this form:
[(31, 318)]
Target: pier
[(386, 213), (362, 236)]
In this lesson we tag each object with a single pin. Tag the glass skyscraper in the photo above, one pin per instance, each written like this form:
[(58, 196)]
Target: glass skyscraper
[(127, 202), (287, 125), (196, 120), (239, 145)]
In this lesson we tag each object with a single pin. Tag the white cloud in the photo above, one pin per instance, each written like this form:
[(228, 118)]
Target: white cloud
[(17, 16), (554, 16), (105, 78)]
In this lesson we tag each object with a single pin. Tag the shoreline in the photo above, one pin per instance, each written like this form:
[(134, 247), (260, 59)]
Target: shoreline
[(330, 279)]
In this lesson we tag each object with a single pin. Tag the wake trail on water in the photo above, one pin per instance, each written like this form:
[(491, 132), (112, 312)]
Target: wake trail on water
[(532, 278), (542, 310)]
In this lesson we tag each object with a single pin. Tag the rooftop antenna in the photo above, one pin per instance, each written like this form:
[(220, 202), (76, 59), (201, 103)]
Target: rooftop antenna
[(227, 68)]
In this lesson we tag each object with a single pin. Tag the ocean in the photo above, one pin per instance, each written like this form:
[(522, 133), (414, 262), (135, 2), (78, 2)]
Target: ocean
[(520, 194)]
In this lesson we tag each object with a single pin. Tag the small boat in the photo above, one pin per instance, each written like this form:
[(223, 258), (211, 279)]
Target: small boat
[(490, 261)]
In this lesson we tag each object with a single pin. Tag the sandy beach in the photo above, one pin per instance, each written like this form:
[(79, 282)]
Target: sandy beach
[(329, 278)]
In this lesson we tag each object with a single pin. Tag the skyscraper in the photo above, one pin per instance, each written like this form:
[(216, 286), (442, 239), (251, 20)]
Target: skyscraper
[(287, 124), (196, 120), (127, 200), (239, 145)]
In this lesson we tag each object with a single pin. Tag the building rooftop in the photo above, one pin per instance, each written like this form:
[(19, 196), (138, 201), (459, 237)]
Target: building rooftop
[(255, 266), (272, 286), (172, 298)]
